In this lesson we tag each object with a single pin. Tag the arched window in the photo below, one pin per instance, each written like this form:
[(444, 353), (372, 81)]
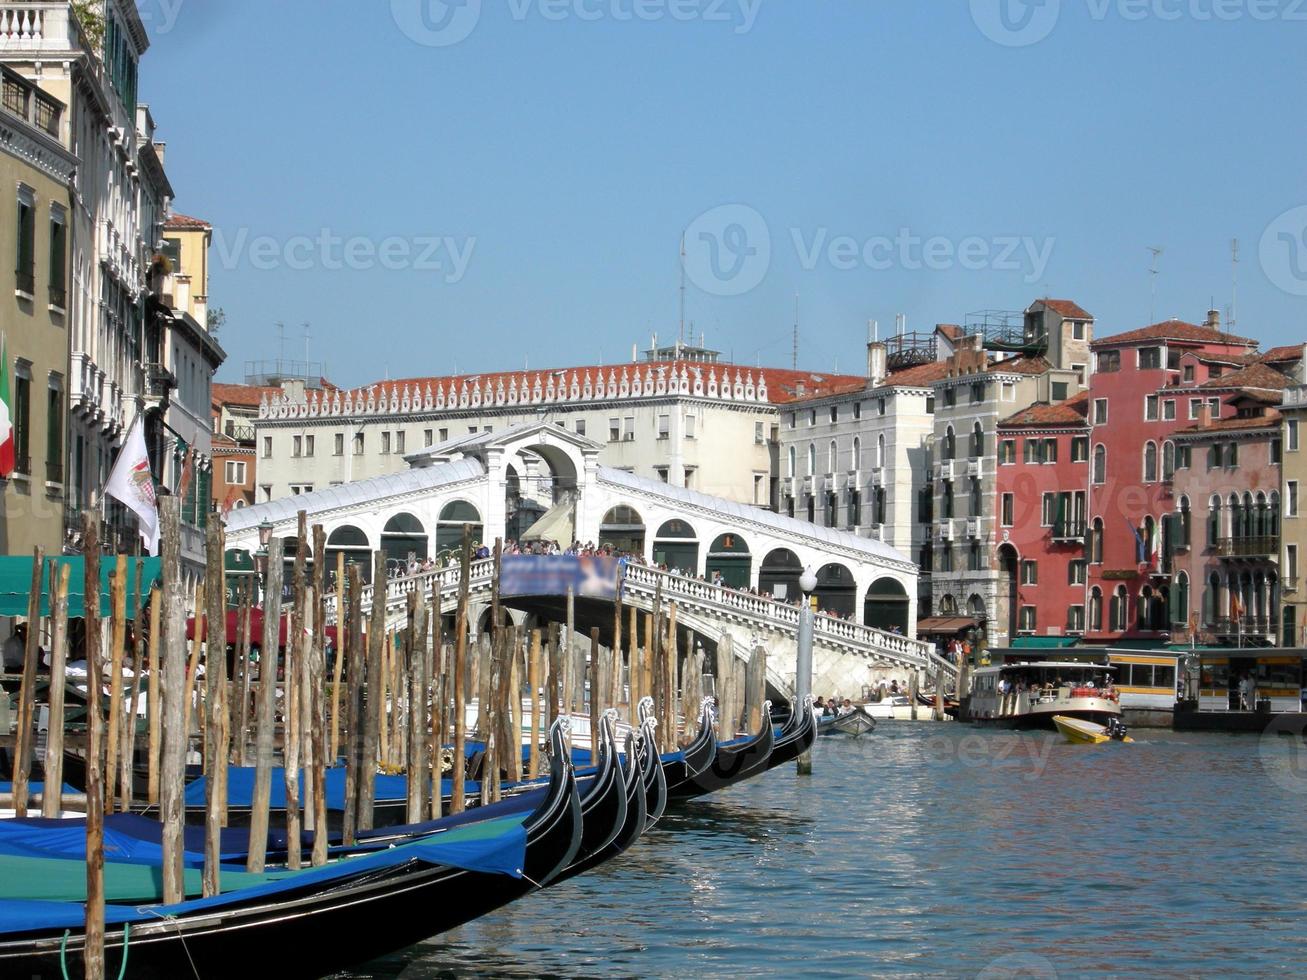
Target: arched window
[(1180, 599), (1144, 607), (950, 444), (1236, 517), (856, 462), (1273, 515), (623, 529), (794, 461), (834, 457), (1249, 516), (812, 459), (1096, 609), (1100, 464), (1168, 461), (403, 538), (880, 450), (1096, 542), (729, 562), (948, 606), (351, 542), (1118, 610), (1212, 600), (449, 528), (676, 545), (1260, 516), (1213, 521), (1150, 462), (977, 440), (1148, 532), (1184, 520)]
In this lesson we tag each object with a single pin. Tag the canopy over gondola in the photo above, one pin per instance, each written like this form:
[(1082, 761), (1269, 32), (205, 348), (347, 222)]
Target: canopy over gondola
[(256, 628), (16, 583)]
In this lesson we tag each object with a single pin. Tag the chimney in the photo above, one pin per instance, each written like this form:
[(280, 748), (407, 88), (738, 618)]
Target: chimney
[(876, 359), (1204, 415), (800, 389), (1213, 320)]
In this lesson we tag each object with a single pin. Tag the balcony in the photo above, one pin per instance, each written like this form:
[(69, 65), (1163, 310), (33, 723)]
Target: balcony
[(1289, 586), (1069, 530), (1246, 626), (945, 469), (25, 282), (54, 472), (973, 527), (58, 298), (1264, 546), (975, 467)]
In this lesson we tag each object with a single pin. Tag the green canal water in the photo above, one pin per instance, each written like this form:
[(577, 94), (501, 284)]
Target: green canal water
[(941, 850)]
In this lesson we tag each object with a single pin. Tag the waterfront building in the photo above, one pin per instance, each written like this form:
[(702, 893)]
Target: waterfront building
[(1002, 364), (681, 417), (36, 170), (1293, 521), (1042, 487), (1147, 384), (235, 409)]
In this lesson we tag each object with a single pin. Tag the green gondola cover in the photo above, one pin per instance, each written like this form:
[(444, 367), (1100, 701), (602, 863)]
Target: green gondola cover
[(16, 581)]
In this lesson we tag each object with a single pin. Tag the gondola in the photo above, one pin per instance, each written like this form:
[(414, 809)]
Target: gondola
[(797, 736), (734, 762), (382, 902), (655, 777), (695, 758), (856, 721)]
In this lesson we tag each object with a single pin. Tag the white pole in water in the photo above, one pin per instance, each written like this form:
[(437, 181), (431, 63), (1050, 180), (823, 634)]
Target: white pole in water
[(803, 666)]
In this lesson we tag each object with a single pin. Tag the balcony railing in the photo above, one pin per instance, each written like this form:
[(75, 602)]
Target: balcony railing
[(23, 465), (25, 281), (1260, 546), (1248, 626), (1069, 530), (1289, 584), (54, 472), (59, 297)]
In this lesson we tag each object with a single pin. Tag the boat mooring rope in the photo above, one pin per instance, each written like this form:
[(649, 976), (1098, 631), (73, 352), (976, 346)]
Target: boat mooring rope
[(122, 970)]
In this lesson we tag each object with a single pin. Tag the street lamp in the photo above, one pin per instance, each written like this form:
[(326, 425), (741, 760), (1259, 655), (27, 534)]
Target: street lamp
[(261, 556), (803, 664)]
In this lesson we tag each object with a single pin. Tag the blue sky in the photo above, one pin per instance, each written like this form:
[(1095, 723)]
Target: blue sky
[(511, 179)]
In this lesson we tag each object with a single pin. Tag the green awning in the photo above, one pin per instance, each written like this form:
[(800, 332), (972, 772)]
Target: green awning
[(1044, 642), (16, 581), (1140, 645)]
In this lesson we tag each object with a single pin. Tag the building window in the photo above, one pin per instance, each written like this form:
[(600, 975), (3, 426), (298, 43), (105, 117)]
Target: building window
[(662, 473), (1009, 509), (266, 492), (339, 449), (1188, 372), (267, 447), (1183, 457), (1099, 475), (789, 419), (857, 410), (1080, 449), (689, 427), (1100, 411), (1075, 619), (1047, 509), (1168, 410), (1027, 620), (977, 392), (1214, 407), (1291, 427), (234, 471), (58, 260), (1096, 542), (399, 443), (359, 444), (428, 437), (308, 445), (296, 489), (1031, 450), (1079, 369), (1277, 452), (1007, 452), (1119, 610), (25, 272), (1195, 406), (1029, 573), (880, 405), (54, 433), (758, 434), (1150, 462), (297, 446), (946, 500), (1291, 499), (950, 397), (443, 435), (1009, 391), (834, 413), (1150, 408), (1291, 563), (930, 404), (1109, 361), (1058, 390), (1095, 609), (1050, 451), (945, 558), (628, 428), (1077, 571), (1077, 329), (812, 416), (385, 443), (1150, 358)]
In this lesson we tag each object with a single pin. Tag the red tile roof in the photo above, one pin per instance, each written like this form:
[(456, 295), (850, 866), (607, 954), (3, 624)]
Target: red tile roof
[(1175, 330), (184, 222), (1268, 421), (229, 394), (1290, 353), (1067, 308), (1020, 365), (1072, 412), (1256, 375), (950, 330), (920, 376)]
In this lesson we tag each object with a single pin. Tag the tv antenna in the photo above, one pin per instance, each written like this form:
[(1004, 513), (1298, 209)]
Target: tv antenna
[(308, 335), (794, 355), (1153, 273), (281, 340), (681, 336), (1234, 281)]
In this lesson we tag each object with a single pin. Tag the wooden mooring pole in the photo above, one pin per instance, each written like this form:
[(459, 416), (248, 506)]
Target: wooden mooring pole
[(94, 955)]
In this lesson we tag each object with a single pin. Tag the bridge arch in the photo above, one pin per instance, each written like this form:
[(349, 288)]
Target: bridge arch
[(449, 526), (780, 567), (886, 606), (676, 545), (729, 555), (837, 590), (623, 529), (352, 542)]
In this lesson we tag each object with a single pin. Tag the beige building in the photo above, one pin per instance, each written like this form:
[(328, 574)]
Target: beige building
[(35, 172), (1293, 521)]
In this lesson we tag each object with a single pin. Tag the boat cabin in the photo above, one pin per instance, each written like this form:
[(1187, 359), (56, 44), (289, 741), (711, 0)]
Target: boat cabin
[(1031, 692), (1251, 680)]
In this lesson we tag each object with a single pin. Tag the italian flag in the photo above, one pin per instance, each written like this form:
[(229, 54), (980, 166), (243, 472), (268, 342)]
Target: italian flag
[(6, 417)]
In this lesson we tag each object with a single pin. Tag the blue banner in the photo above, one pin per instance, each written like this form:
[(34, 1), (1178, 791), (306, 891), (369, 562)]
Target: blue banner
[(592, 576)]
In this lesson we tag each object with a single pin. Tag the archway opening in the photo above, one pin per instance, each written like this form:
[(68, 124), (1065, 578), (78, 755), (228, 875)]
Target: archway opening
[(837, 591), (404, 539), (623, 530), (729, 560), (1006, 613), (779, 574), (676, 546), (449, 529), (886, 606), (351, 542)]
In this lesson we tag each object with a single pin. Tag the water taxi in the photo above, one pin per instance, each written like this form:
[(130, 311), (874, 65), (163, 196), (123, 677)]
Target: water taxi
[(1081, 732), (1028, 695)]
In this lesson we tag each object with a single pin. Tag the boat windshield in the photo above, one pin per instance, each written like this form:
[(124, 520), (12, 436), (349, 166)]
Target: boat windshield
[(1078, 680)]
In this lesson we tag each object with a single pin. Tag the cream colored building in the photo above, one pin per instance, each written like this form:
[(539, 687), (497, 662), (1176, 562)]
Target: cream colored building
[(35, 172), (1293, 520)]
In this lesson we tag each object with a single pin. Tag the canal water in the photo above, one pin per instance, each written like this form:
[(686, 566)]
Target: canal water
[(941, 850)]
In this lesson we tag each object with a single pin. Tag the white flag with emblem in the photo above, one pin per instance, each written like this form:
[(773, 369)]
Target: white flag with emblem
[(132, 483)]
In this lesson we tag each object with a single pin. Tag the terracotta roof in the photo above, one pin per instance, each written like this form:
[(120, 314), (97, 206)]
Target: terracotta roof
[(1256, 375), (1073, 411), (950, 330), (1175, 330), (229, 394), (1067, 308), (782, 383), (1282, 355), (922, 375), (184, 222), (1271, 420), (1020, 365)]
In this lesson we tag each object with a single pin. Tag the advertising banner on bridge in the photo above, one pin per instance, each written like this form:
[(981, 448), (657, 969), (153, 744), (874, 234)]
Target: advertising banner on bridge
[(595, 577)]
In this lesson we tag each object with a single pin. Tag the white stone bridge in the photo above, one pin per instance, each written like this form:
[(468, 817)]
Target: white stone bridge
[(490, 480)]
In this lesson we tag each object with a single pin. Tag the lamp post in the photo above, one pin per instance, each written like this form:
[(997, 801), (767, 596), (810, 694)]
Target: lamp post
[(261, 556), (803, 665)]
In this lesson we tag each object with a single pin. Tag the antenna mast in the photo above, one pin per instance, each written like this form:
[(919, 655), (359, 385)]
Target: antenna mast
[(1153, 273), (681, 335), (794, 356), (1234, 282)]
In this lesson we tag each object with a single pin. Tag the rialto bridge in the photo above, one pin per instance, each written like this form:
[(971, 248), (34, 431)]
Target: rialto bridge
[(731, 568)]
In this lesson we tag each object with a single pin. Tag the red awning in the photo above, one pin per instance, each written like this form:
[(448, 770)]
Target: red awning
[(945, 624), (256, 628)]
